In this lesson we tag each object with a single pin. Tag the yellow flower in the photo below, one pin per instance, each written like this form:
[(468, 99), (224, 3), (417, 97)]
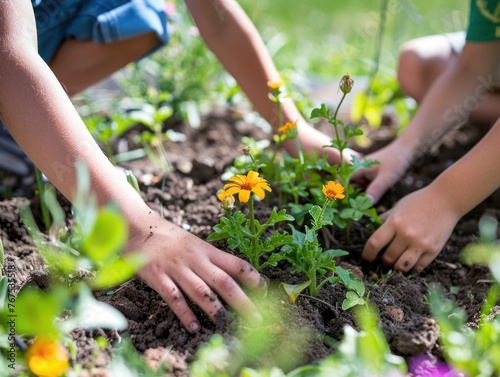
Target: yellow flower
[(245, 185), (47, 358), (288, 126), (274, 85), (227, 200), (333, 191)]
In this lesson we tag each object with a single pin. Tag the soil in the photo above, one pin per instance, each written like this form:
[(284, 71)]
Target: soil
[(189, 200)]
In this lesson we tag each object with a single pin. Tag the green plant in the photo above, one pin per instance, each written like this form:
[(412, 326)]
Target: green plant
[(275, 344), (246, 234), (307, 256), (85, 256), (473, 351), (355, 205), (363, 353)]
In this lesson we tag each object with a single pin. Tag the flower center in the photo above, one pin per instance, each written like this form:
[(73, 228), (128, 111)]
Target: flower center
[(246, 186)]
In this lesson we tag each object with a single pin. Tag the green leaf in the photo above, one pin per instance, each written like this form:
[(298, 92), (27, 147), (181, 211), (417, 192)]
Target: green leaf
[(362, 203), (36, 310), (352, 299), (299, 238), (488, 226), (3, 292), (320, 112), (118, 271), (477, 254), (277, 217), (2, 257), (293, 290), (495, 266), (344, 275), (358, 106), (108, 235), (55, 209), (88, 313), (357, 285), (335, 253)]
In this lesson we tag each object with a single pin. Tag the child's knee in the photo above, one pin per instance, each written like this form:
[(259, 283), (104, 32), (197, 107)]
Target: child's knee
[(411, 67)]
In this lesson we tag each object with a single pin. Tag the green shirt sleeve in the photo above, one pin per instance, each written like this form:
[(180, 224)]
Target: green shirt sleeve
[(484, 21)]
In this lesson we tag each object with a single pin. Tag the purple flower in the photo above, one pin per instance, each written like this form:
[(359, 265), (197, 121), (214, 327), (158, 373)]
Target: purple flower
[(427, 366)]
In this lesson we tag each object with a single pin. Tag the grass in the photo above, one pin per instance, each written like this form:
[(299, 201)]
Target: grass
[(329, 38)]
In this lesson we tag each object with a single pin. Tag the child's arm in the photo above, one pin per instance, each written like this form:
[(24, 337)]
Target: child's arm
[(417, 228), (41, 118), (448, 102), (233, 38)]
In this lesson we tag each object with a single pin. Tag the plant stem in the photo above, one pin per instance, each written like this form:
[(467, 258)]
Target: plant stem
[(255, 258), (335, 126), (299, 150), (41, 194), (323, 210), (313, 288), (348, 232)]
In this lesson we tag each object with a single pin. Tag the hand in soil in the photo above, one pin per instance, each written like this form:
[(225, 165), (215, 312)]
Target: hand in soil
[(414, 231), (182, 264)]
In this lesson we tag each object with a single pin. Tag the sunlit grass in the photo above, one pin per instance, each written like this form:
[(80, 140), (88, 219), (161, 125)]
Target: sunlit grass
[(331, 37)]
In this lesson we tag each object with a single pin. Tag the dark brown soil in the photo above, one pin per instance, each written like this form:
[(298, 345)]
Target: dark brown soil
[(189, 200)]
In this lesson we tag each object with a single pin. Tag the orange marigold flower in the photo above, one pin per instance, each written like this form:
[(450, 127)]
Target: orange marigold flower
[(288, 126), (245, 185), (333, 191), (274, 85), (227, 200), (47, 358)]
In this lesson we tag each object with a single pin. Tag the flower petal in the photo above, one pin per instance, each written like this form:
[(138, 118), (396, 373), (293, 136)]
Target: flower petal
[(232, 190), (244, 196), (257, 190), (252, 176)]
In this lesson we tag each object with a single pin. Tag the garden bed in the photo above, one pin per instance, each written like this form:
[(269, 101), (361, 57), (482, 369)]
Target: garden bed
[(189, 200)]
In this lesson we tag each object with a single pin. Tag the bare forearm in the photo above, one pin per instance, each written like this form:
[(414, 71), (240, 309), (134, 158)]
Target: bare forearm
[(455, 94), (475, 176), (233, 38), (42, 119)]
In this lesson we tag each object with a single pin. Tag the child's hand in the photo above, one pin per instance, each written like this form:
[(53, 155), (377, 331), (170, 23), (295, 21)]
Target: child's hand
[(414, 231), (393, 161), (182, 264)]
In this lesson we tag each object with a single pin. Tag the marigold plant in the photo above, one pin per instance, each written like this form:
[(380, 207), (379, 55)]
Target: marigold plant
[(243, 233)]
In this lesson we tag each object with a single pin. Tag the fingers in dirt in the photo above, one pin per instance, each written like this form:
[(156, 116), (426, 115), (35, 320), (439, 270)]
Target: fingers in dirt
[(233, 294), (169, 291), (197, 289), (407, 261), (382, 237), (424, 260)]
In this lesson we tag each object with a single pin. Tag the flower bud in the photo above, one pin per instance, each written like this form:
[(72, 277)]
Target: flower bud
[(346, 84), (246, 150)]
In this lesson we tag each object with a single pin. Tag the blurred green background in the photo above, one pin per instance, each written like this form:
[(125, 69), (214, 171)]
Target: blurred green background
[(330, 38)]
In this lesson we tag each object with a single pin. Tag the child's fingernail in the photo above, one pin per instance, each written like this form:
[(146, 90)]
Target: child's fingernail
[(264, 282), (194, 327), (369, 196), (256, 319)]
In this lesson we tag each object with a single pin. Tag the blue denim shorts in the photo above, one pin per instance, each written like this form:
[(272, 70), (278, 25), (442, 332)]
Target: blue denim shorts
[(103, 21)]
